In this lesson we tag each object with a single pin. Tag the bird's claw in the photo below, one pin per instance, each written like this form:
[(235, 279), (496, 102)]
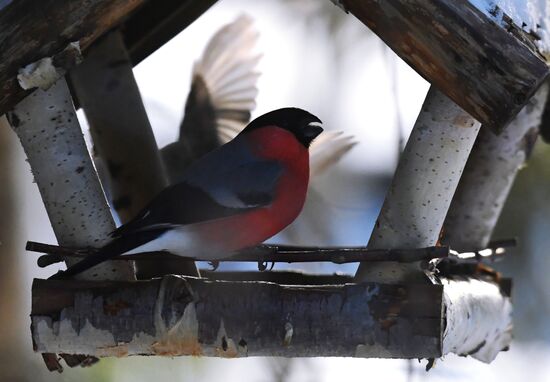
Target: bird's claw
[(214, 264), (262, 265)]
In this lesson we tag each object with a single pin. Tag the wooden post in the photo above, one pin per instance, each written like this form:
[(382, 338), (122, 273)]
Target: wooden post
[(49, 131), (106, 88), (423, 186)]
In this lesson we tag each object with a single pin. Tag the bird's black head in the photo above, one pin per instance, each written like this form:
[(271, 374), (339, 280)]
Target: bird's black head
[(297, 121)]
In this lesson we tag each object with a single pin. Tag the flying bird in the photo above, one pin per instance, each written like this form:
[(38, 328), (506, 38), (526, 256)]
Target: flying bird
[(237, 196)]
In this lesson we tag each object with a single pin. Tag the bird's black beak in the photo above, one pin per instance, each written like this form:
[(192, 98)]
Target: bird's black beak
[(311, 132)]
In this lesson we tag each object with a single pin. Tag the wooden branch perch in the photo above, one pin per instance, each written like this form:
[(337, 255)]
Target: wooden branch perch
[(488, 71), (272, 253)]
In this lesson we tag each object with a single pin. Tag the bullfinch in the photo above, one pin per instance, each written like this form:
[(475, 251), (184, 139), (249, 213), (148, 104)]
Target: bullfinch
[(237, 196)]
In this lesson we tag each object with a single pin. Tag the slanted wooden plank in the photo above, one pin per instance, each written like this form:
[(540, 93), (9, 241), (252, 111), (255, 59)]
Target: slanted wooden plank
[(190, 316), (488, 71)]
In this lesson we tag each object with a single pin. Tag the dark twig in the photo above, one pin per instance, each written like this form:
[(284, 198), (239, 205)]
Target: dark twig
[(266, 254)]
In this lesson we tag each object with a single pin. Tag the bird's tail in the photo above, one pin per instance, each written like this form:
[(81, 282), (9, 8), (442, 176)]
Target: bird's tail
[(114, 248)]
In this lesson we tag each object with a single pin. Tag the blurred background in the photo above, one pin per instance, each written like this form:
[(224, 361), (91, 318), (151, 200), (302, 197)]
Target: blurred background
[(318, 58)]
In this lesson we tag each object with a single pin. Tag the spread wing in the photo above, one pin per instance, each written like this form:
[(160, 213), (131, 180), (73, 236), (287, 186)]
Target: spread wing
[(221, 98)]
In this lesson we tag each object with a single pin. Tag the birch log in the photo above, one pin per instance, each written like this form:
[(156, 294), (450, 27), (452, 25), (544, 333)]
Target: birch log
[(488, 178), (133, 172), (423, 186), (485, 323), (190, 316), (478, 318), (47, 126)]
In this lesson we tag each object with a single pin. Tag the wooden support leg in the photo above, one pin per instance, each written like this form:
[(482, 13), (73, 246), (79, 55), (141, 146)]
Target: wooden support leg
[(423, 186), (49, 131)]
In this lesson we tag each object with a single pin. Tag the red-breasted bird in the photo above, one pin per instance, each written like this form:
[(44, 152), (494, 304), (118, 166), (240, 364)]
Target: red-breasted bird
[(219, 106), (237, 196)]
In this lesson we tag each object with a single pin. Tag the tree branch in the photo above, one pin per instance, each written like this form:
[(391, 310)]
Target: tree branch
[(50, 134), (271, 253), (189, 316)]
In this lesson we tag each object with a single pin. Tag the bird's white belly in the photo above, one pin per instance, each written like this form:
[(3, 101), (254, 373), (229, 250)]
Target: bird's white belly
[(181, 242), (175, 241)]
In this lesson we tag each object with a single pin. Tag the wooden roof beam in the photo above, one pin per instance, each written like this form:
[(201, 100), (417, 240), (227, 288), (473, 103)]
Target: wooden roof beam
[(31, 30), (489, 71)]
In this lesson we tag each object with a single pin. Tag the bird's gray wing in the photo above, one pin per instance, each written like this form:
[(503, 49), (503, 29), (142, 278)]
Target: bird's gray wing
[(224, 183)]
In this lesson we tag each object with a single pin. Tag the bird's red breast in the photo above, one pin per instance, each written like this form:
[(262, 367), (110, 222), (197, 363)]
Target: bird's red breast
[(248, 229)]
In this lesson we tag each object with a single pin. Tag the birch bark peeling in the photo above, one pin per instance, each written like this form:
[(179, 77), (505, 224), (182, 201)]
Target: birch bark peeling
[(190, 316), (133, 172), (488, 178), (423, 185), (49, 131), (478, 319)]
